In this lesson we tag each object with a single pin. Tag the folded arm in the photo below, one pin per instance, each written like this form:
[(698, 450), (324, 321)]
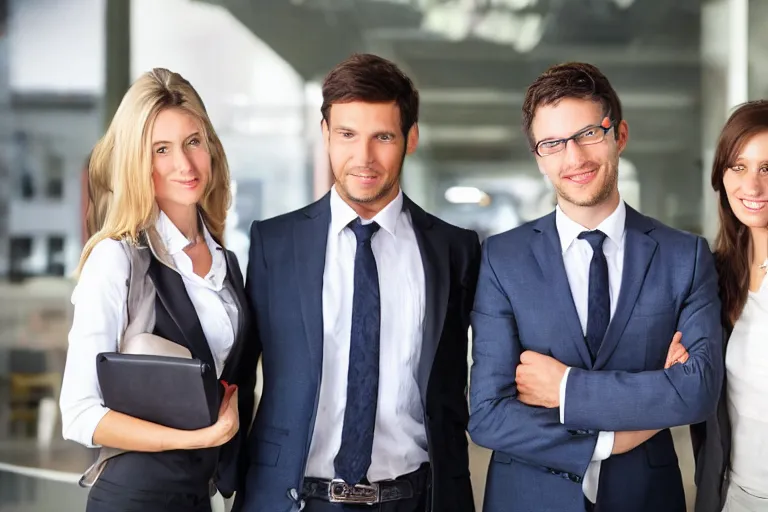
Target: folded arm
[(498, 420), (680, 395)]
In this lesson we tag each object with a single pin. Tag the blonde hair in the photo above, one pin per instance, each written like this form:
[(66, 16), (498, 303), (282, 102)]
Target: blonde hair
[(121, 191), (99, 195)]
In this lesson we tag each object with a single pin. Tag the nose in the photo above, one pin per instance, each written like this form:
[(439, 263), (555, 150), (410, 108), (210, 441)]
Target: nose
[(574, 155), (364, 153), (752, 185), (181, 162)]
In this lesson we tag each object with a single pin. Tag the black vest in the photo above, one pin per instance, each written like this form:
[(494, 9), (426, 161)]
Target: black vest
[(182, 471)]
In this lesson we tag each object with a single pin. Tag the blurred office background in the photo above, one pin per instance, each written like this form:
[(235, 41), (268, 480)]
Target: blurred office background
[(678, 66)]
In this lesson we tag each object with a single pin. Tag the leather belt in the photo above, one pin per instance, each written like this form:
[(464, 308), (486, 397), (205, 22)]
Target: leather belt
[(338, 491)]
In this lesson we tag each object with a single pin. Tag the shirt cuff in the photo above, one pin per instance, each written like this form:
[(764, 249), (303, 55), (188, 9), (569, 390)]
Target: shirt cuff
[(563, 383), (591, 481), (604, 446)]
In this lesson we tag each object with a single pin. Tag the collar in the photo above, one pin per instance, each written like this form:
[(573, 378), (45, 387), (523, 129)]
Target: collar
[(174, 239), (342, 214), (613, 226)]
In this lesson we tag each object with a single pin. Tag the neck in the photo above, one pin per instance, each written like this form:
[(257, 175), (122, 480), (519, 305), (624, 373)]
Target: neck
[(759, 245), (369, 210), (185, 218), (590, 216)]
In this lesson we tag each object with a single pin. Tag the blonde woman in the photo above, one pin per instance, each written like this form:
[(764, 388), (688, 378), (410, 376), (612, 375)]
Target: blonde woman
[(163, 182)]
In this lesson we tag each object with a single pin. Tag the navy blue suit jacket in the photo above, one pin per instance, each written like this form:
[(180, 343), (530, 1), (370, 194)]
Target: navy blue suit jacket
[(523, 302), (285, 287)]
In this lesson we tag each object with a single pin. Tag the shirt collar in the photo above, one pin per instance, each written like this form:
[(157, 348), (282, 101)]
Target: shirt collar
[(342, 214), (613, 226), (174, 239)]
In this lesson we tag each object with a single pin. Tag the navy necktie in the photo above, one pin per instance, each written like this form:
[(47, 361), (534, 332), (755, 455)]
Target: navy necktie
[(354, 456), (599, 302)]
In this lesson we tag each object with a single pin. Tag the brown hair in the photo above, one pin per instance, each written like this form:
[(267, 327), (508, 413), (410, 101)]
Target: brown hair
[(570, 80), (372, 79), (733, 243)]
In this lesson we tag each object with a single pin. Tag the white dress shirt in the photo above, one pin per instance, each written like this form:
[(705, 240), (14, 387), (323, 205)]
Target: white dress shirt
[(100, 300), (577, 256), (746, 365), (400, 440)]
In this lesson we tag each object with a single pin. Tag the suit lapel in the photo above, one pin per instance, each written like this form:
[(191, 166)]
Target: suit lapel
[(310, 238), (639, 249), (435, 260), (173, 295), (235, 280), (549, 255)]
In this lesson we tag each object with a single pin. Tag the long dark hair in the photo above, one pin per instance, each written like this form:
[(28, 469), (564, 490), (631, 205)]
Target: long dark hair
[(733, 243)]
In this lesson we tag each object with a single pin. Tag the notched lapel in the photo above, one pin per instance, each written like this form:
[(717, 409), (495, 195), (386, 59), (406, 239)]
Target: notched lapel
[(639, 249), (435, 255), (173, 295), (549, 255), (310, 238), (235, 280)]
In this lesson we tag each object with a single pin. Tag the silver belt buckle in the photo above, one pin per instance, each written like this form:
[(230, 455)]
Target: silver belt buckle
[(341, 492)]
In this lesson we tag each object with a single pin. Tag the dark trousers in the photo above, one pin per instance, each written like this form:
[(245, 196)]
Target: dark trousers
[(418, 503), (109, 497)]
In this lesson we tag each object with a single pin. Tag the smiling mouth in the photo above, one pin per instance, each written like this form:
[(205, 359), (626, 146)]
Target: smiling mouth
[(582, 177), (366, 177), (754, 206), (188, 183)]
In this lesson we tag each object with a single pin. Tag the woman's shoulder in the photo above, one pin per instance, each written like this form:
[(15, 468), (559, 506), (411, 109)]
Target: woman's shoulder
[(109, 255), (108, 266)]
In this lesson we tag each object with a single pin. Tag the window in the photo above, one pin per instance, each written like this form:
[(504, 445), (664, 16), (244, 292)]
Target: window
[(55, 257), (54, 186), (21, 253)]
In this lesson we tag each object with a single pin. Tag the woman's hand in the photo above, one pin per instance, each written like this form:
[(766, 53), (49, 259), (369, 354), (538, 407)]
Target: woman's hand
[(228, 423)]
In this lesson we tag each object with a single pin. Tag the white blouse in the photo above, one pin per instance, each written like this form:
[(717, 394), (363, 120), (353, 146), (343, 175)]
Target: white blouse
[(100, 306), (746, 364)]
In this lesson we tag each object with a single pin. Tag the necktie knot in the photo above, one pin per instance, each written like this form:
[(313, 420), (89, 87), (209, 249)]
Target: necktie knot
[(594, 238), (363, 232)]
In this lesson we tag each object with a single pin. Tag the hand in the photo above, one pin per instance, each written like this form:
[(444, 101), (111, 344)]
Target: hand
[(677, 352), (538, 379), (228, 423), (627, 441)]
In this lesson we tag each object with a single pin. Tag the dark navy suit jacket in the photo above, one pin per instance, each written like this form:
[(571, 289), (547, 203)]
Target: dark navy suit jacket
[(523, 302), (284, 284)]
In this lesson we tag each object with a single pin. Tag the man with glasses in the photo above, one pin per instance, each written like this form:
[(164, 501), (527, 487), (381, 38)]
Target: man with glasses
[(575, 383)]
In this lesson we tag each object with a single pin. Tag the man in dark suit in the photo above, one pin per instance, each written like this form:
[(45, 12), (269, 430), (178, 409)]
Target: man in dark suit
[(362, 302), (573, 316)]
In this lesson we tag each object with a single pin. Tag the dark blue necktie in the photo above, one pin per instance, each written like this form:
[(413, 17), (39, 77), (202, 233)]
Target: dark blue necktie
[(599, 305), (354, 456)]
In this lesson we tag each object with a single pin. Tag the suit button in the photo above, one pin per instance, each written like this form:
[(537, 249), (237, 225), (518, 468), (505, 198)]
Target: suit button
[(574, 478)]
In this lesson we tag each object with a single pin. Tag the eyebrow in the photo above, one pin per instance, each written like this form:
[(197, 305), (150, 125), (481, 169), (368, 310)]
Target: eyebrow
[(195, 134), (587, 127)]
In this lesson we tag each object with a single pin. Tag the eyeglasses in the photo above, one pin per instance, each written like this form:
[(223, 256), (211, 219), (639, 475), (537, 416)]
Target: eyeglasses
[(586, 137)]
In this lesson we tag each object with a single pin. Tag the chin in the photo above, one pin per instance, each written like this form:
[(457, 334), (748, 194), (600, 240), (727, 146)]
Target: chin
[(753, 221), (361, 196), (186, 200)]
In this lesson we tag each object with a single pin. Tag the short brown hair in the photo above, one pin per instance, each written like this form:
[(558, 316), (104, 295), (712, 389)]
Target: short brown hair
[(732, 244), (570, 80), (372, 79)]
